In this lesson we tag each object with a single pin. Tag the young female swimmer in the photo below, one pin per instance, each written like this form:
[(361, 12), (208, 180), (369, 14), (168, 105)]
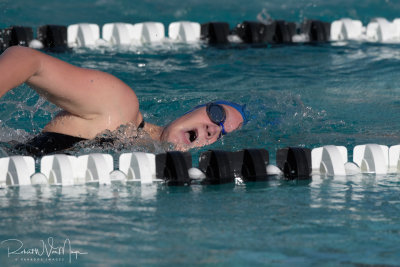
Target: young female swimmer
[(93, 101)]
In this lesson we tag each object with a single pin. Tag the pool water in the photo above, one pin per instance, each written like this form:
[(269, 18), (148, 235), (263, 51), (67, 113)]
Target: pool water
[(297, 95)]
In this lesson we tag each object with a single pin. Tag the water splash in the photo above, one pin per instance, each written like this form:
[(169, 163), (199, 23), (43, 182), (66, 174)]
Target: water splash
[(127, 138), (264, 17)]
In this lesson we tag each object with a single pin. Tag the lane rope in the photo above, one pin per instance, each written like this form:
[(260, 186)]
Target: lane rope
[(214, 166), (63, 38)]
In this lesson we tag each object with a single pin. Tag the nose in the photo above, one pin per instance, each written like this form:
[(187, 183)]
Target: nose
[(212, 130)]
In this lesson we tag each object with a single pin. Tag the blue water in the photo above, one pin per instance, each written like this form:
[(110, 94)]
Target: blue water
[(298, 95)]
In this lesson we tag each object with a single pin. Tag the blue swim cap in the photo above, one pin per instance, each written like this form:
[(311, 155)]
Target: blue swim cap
[(238, 107)]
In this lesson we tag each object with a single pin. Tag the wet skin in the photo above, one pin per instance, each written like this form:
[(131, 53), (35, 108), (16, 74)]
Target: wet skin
[(195, 129), (93, 101)]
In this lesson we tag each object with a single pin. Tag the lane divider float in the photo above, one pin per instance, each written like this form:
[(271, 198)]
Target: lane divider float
[(214, 166), (62, 38)]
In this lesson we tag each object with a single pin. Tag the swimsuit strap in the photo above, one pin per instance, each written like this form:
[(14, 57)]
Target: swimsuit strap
[(141, 125), (48, 142)]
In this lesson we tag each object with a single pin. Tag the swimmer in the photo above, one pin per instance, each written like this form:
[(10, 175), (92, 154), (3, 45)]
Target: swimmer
[(93, 102)]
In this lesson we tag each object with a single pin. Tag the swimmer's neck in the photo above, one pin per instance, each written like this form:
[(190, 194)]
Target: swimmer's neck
[(153, 130)]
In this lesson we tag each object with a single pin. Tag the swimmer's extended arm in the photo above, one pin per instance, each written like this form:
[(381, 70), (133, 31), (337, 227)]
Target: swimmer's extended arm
[(95, 97)]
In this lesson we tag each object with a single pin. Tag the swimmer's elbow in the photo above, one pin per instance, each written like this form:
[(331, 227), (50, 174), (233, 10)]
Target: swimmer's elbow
[(21, 52), (18, 50), (17, 65), (11, 50), (28, 57)]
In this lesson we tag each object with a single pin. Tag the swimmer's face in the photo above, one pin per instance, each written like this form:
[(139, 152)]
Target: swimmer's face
[(195, 129)]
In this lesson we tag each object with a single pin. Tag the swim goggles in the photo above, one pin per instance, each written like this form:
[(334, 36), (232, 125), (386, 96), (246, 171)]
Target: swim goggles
[(217, 115)]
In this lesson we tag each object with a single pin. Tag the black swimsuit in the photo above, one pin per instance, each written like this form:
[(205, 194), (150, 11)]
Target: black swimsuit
[(49, 142)]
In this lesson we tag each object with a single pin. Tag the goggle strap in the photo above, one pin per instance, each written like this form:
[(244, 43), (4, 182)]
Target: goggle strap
[(223, 128)]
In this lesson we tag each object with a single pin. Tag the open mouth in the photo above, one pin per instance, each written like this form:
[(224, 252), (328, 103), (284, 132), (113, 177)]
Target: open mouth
[(192, 134)]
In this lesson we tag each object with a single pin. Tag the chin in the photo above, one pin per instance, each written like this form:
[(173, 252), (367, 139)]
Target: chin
[(181, 147), (167, 137)]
